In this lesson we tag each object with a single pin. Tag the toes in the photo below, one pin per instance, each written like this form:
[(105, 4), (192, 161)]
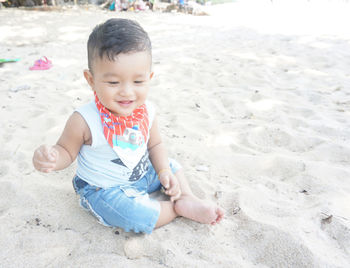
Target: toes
[(220, 214)]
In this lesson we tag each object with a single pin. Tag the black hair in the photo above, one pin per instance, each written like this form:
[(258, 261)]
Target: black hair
[(116, 36)]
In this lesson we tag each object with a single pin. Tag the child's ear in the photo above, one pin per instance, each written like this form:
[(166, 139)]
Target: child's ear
[(89, 78)]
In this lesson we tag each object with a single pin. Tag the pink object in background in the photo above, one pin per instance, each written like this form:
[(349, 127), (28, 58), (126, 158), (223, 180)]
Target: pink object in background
[(41, 64)]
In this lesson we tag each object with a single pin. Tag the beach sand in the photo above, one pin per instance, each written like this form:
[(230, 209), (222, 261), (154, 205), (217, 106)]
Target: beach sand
[(253, 101)]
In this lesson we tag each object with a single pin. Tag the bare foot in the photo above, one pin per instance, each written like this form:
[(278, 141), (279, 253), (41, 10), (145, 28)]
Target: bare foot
[(202, 211)]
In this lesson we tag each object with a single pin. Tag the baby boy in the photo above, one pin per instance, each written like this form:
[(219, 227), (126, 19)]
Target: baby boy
[(116, 140)]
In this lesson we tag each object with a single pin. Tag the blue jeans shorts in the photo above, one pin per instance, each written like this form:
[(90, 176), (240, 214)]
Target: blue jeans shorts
[(127, 206)]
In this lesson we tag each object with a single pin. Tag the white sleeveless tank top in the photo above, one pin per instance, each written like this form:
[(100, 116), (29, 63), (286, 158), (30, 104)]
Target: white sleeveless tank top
[(98, 163)]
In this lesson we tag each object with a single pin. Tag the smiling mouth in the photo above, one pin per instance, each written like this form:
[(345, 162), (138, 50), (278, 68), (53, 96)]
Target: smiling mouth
[(125, 103)]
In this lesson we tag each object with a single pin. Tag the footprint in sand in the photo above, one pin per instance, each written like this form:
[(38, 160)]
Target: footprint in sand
[(337, 230), (266, 245), (272, 202), (282, 167), (144, 246), (268, 137)]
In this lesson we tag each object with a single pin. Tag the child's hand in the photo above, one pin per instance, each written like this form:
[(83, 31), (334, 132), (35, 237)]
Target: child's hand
[(171, 185), (45, 158)]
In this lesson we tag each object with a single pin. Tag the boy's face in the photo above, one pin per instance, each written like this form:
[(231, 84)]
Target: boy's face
[(121, 85)]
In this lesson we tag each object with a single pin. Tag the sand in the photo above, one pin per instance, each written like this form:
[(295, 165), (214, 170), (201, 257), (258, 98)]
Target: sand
[(254, 101)]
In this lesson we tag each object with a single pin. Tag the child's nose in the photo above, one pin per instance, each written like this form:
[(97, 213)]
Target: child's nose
[(126, 89)]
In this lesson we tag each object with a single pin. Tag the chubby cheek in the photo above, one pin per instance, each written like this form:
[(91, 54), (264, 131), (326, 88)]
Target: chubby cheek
[(142, 94), (106, 97), (103, 95)]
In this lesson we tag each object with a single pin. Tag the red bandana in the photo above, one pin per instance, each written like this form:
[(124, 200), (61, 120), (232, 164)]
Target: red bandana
[(114, 126)]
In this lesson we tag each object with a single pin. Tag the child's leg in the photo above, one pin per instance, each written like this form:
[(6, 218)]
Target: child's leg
[(190, 206), (167, 213), (127, 207)]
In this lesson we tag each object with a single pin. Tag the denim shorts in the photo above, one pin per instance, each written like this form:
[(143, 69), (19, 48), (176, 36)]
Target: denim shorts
[(126, 206)]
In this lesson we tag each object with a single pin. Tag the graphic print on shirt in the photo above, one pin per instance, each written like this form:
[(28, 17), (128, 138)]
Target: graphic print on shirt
[(130, 146), (140, 168), (132, 138)]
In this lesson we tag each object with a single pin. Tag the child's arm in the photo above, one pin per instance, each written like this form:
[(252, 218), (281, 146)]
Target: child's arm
[(75, 134), (159, 158)]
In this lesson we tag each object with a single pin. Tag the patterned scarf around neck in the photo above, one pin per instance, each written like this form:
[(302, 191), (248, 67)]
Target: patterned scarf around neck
[(124, 131)]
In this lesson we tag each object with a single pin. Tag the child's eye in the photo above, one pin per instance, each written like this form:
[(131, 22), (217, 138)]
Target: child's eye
[(138, 82), (113, 82)]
